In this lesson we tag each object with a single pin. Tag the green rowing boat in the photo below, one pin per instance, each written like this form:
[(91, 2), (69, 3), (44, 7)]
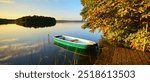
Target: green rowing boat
[(74, 42)]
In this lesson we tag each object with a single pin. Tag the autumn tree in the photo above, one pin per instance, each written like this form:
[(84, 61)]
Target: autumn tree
[(123, 22)]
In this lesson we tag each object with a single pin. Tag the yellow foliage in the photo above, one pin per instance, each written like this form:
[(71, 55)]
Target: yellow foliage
[(119, 20)]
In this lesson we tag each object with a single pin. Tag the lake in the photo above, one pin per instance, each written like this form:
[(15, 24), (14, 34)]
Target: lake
[(34, 46)]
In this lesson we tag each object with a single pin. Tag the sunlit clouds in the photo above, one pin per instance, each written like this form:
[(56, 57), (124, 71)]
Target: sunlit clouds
[(8, 40), (7, 1), (13, 50)]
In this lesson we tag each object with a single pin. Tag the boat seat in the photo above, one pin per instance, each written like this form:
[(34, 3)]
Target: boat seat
[(62, 38), (74, 40)]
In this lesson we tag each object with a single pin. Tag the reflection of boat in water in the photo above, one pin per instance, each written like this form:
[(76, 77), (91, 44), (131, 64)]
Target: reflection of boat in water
[(73, 49), (77, 56), (76, 45)]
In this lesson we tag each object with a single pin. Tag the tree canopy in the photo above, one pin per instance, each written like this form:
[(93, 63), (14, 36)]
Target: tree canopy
[(123, 22)]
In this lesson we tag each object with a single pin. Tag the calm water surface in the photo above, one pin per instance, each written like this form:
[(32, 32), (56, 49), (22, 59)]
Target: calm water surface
[(29, 46)]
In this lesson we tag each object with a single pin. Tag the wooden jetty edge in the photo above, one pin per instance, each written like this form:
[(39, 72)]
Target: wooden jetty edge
[(122, 56)]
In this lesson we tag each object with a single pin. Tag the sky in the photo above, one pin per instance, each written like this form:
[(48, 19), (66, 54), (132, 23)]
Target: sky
[(59, 9)]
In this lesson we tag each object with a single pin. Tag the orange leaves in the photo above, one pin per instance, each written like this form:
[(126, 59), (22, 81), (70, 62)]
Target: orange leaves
[(147, 4), (141, 9)]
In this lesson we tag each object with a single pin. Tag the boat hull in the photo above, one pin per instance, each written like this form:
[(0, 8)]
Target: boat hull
[(73, 49), (73, 44)]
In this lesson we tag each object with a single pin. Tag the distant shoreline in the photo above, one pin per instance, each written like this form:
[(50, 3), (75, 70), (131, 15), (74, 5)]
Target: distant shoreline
[(69, 21), (7, 21)]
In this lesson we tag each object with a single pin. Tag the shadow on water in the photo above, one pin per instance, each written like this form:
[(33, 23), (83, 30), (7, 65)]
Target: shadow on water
[(87, 56), (76, 50)]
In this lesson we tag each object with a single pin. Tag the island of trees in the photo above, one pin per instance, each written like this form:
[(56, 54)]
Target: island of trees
[(31, 21), (36, 21), (123, 22)]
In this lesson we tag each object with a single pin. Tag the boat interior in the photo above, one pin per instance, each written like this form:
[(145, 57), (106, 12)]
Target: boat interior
[(76, 40)]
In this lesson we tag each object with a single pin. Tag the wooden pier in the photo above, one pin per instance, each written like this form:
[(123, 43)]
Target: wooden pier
[(122, 56)]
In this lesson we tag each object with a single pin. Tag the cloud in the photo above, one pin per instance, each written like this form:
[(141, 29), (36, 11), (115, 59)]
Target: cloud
[(20, 49), (8, 40), (7, 1)]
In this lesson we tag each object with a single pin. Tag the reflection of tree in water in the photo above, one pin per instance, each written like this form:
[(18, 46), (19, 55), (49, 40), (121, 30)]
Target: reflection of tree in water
[(31, 21), (6, 21), (36, 21)]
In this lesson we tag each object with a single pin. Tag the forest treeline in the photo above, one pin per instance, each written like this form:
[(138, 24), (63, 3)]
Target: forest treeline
[(123, 22), (6, 21), (31, 21), (70, 21)]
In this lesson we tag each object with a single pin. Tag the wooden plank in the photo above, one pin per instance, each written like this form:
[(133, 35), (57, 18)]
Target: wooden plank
[(142, 58), (131, 63), (111, 56), (129, 58), (99, 62), (133, 58), (107, 53), (118, 56), (101, 56), (138, 59), (126, 62), (120, 53), (147, 60), (103, 53), (114, 57), (147, 55), (124, 57)]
